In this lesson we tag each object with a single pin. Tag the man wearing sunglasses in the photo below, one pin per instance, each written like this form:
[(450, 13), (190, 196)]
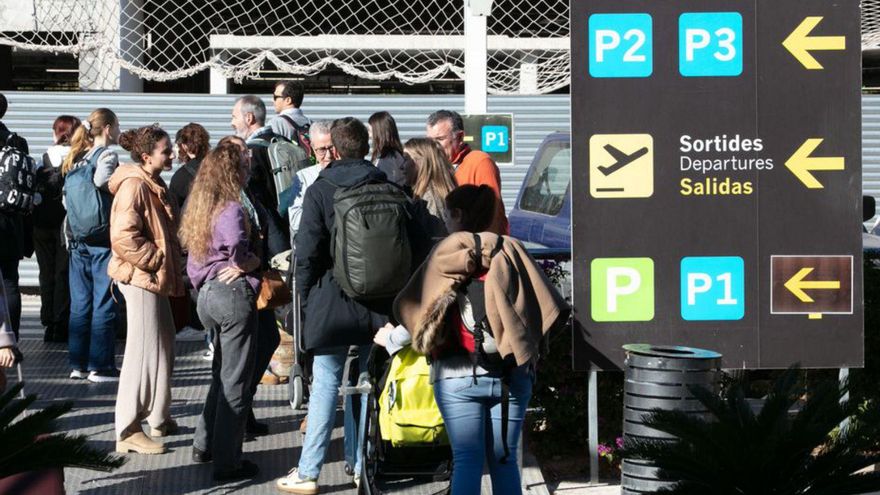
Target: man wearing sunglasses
[(291, 123)]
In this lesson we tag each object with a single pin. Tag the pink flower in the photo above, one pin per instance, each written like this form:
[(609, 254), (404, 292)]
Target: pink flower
[(619, 442)]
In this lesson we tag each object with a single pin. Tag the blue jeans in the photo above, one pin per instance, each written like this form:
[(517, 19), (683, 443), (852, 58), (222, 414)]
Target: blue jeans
[(472, 413), (92, 327), (327, 369)]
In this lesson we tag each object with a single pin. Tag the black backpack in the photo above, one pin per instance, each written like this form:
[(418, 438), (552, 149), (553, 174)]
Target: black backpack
[(370, 243), (18, 176)]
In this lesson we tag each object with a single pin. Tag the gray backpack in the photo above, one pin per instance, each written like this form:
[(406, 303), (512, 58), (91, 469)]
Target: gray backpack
[(372, 255), (286, 159)]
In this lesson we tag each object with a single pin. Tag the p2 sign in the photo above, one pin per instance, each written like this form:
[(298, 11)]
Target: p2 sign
[(491, 133), (621, 45)]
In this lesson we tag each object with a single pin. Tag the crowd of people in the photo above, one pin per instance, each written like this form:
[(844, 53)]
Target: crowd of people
[(107, 228)]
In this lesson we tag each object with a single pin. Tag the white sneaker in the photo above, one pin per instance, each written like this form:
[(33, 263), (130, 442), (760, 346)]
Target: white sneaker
[(292, 483), (357, 480), (103, 376), (190, 334), (79, 374), (208, 355)]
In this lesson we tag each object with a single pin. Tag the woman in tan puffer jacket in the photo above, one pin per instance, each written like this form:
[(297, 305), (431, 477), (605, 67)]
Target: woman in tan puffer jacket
[(146, 264)]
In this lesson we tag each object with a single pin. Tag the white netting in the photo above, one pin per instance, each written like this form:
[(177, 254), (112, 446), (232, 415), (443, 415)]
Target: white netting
[(870, 24), (414, 41), (169, 39)]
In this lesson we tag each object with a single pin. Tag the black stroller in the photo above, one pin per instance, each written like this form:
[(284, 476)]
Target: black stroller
[(387, 468)]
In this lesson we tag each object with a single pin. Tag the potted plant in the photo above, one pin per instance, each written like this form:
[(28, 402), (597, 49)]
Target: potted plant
[(735, 451)]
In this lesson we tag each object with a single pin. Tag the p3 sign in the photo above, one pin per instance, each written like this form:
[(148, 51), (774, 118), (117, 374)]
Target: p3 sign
[(490, 133), (710, 44)]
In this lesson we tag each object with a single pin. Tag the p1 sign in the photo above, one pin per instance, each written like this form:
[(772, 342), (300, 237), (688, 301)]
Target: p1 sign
[(491, 133)]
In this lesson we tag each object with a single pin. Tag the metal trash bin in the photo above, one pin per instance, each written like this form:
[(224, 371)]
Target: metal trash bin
[(657, 377)]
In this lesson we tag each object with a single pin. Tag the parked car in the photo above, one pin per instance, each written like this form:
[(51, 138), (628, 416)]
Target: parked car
[(541, 216)]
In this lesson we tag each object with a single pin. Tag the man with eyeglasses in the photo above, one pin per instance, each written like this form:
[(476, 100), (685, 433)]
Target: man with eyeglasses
[(470, 166), (323, 148), (291, 122)]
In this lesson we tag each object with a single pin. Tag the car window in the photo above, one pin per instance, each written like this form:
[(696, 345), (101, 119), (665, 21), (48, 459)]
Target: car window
[(549, 181)]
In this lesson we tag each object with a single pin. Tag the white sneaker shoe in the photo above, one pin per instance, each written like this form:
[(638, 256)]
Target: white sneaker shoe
[(208, 355), (79, 374), (103, 376), (292, 483), (357, 480)]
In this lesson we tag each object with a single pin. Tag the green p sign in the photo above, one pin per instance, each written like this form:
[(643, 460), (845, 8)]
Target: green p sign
[(622, 289)]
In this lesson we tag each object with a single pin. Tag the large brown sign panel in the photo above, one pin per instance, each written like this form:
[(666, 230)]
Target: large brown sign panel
[(716, 180)]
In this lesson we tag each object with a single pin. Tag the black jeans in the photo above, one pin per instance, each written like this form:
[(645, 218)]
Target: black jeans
[(230, 311), (267, 341), (9, 268), (54, 288)]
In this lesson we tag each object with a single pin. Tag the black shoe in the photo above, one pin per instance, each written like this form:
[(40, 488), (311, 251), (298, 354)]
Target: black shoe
[(201, 457), (49, 334), (247, 470), (256, 428)]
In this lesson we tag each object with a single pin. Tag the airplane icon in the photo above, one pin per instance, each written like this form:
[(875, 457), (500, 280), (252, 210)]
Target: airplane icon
[(621, 165), (621, 159)]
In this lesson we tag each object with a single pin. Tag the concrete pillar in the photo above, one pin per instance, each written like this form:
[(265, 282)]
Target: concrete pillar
[(219, 83), (476, 12), (528, 79), (123, 34)]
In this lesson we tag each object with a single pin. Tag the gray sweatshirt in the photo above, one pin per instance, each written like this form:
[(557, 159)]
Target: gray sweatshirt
[(108, 160), (282, 127)]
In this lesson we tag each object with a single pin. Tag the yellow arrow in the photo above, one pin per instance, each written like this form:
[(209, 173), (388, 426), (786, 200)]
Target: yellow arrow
[(800, 43), (801, 163), (796, 285)]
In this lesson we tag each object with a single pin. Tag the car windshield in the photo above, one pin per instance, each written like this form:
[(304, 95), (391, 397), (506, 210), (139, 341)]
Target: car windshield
[(549, 181)]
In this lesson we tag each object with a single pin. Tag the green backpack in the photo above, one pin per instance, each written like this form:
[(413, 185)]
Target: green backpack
[(372, 255), (408, 413)]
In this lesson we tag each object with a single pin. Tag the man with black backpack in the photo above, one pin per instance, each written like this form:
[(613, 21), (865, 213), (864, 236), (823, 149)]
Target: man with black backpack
[(275, 160), (17, 186), (358, 242)]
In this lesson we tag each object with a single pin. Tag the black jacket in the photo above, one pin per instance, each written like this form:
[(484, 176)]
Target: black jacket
[(399, 169), (181, 182), (261, 183), (49, 214), (16, 241), (332, 319)]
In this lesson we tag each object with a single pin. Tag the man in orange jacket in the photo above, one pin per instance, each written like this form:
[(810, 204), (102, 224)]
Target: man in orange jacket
[(471, 166)]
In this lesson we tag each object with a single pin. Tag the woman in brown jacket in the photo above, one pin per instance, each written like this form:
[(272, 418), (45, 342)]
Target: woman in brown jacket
[(146, 264)]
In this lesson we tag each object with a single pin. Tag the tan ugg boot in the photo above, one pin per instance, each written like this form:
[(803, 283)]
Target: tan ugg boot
[(140, 443)]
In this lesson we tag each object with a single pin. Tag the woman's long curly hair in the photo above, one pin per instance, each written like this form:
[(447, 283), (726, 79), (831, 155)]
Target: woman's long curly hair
[(217, 183)]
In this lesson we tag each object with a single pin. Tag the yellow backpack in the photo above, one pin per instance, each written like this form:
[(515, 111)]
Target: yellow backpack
[(408, 413)]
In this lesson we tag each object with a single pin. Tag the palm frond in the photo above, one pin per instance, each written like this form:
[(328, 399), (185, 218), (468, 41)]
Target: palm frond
[(29, 443)]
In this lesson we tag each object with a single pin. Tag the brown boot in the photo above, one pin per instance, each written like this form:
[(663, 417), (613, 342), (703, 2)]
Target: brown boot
[(140, 443)]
